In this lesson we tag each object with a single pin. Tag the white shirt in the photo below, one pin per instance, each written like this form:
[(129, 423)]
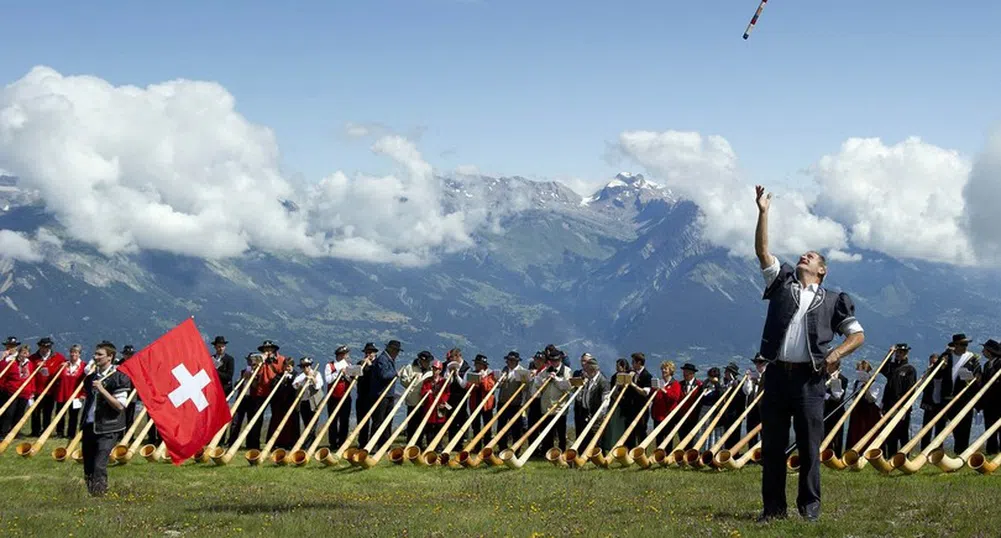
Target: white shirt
[(331, 370), (301, 378), (957, 364), (795, 347)]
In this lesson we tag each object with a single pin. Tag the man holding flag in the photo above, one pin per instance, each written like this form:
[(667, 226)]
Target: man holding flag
[(177, 380)]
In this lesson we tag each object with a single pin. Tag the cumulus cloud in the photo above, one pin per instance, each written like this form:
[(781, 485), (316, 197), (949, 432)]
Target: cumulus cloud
[(175, 167), (704, 170), (17, 246), (905, 200), (836, 255), (981, 194), (467, 170)]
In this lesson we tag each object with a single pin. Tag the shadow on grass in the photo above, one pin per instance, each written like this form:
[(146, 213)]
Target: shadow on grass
[(267, 508)]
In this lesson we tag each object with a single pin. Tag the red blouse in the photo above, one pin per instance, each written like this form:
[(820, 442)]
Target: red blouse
[(665, 400)]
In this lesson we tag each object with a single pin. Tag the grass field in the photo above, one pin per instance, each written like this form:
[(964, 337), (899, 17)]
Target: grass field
[(41, 497)]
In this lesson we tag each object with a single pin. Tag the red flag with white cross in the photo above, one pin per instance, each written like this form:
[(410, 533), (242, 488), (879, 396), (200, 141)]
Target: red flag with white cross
[(178, 383)]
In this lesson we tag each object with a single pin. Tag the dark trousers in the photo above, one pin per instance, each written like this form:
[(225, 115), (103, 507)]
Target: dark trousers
[(306, 414), (362, 406), (993, 445), (41, 417), (13, 414), (476, 427), (838, 443), (243, 412), (378, 417), (639, 432), (515, 431), (899, 437), (254, 435), (556, 435), (753, 419), (960, 435), (461, 416), (929, 414), (580, 416), (96, 449), (74, 422), (665, 431), (338, 431), (797, 396)]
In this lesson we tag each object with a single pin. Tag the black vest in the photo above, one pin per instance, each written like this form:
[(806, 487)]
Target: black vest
[(107, 419), (829, 313)]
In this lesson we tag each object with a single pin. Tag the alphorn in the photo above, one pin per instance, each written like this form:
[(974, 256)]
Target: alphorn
[(693, 456), (17, 392), (301, 457), (254, 456), (27, 414), (411, 451), (219, 457), (724, 458), (677, 456), (709, 456), (467, 458), (914, 465), (559, 458), (592, 452), (487, 453), (205, 454), (5, 368), (136, 443), (447, 457), (429, 456), (368, 460), (513, 449), (328, 458), (308, 429), (827, 456), (28, 450), (357, 456), (660, 454), (77, 453), (950, 464), (279, 455), (620, 452), (123, 445), (854, 456), (901, 456), (874, 453), (639, 452), (510, 457)]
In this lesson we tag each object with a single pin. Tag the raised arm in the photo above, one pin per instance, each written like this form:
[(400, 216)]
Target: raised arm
[(764, 201)]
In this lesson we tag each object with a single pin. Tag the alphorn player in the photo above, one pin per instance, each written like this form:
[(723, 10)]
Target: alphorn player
[(246, 408), (47, 362), (560, 385), (455, 363), (509, 386), (107, 392), (595, 393), (963, 367), (635, 399), (431, 387), (798, 340), (990, 402), (931, 402), (75, 371), (900, 377), (338, 431), (16, 376), (667, 398), (274, 366), (310, 402), (487, 382), (380, 373)]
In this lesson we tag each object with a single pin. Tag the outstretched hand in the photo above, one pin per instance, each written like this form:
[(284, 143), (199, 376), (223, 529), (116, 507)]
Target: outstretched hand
[(763, 199)]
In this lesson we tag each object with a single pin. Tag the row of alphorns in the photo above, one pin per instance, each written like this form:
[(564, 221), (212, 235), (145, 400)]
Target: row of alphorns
[(683, 454)]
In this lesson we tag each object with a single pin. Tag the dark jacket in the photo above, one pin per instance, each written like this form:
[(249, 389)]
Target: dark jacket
[(380, 374), (225, 370), (592, 399), (107, 419), (633, 401), (829, 314), (899, 379), (951, 387), (992, 397)]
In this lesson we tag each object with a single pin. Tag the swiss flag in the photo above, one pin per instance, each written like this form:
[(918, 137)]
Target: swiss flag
[(177, 382)]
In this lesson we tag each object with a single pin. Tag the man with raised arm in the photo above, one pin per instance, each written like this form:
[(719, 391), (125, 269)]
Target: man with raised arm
[(798, 342)]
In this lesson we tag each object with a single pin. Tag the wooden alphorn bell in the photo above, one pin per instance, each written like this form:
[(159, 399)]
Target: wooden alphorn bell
[(709, 456), (254, 456), (308, 428), (429, 456), (118, 452), (28, 450), (827, 456), (27, 414), (487, 453), (205, 454), (301, 457), (852, 456), (694, 456), (411, 451), (940, 459), (358, 456), (660, 455), (638, 453), (447, 457), (592, 452), (724, 458), (331, 458), (225, 457), (517, 462), (510, 453), (567, 457), (677, 456), (620, 452), (369, 460), (469, 459), (901, 456)]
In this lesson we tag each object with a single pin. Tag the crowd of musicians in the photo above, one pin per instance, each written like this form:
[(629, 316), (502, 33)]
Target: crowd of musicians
[(275, 380)]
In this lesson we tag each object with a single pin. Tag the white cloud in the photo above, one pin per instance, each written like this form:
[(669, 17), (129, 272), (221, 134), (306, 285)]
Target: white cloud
[(982, 194), (17, 246), (704, 169), (175, 167), (836, 255), (467, 170), (905, 200)]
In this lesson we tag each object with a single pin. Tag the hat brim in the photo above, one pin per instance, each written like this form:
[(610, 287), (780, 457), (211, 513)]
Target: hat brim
[(262, 348)]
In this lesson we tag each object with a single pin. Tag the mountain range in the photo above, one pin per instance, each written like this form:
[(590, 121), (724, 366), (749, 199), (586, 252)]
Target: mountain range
[(623, 270)]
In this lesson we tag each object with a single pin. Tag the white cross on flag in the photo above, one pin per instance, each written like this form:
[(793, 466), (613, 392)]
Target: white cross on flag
[(178, 383)]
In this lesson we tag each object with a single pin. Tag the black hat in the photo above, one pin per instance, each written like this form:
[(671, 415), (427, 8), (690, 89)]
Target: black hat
[(481, 359), (758, 358), (732, 367), (268, 344), (11, 341), (690, 367), (957, 339), (370, 348), (513, 355), (342, 350), (993, 347), (128, 349), (219, 340), (45, 342), (425, 356), (713, 372), (902, 347), (306, 361), (394, 344)]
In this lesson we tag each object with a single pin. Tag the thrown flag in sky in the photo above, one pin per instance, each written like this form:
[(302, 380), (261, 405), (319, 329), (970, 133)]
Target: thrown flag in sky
[(754, 19)]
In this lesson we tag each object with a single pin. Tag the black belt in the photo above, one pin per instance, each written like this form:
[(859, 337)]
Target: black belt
[(793, 366)]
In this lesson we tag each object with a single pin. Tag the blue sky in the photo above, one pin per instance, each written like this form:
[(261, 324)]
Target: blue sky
[(540, 88)]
